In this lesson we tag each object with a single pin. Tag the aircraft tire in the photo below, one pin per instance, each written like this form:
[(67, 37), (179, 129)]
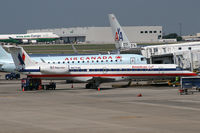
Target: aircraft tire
[(11, 78), (87, 86), (7, 78)]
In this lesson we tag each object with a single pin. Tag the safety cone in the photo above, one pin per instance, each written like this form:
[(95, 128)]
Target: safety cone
[(99, 89), (139, 95), (23, 89)]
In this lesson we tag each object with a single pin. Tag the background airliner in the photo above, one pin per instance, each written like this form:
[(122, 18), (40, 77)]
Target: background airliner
[(29, 38), (94, 75), (120, 38)]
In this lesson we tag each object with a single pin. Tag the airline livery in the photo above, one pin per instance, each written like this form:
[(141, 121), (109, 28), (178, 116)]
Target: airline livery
[(93, 75), (7, 64), (121, 40), (29, 38)]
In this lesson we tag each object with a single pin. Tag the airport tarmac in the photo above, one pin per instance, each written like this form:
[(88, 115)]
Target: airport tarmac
[(78, 110)]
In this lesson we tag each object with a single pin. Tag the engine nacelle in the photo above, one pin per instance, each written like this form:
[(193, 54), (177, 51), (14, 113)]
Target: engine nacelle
[(33, 41), (24, 41), (55, 69)]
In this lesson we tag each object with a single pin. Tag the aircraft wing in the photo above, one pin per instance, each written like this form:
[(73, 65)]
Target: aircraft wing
[(101, 79), (15, 40)]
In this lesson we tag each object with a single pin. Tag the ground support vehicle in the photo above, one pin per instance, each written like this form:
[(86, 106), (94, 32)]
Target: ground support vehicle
[(36, 84), (189, 85), (12, 76)]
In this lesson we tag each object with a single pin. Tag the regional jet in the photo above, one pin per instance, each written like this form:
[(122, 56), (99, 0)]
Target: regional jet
[(7, 64), (93, 75)]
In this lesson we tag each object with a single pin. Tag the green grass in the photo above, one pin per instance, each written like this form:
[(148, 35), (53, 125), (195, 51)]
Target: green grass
[(67, 49)]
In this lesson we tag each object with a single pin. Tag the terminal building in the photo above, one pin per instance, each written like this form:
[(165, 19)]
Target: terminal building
[(103, 35)]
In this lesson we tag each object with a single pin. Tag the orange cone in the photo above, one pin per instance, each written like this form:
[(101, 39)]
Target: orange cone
[(23, 89), (99, 89)]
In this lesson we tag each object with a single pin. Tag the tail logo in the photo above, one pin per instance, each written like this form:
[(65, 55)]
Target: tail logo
[(118, 35), (21, 59)]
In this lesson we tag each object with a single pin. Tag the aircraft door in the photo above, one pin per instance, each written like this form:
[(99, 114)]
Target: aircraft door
[(105, 70), (132, 60), (161, 70)]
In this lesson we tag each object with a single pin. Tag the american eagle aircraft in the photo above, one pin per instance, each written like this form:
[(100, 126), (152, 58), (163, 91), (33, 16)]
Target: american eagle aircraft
[(7, 64), (29, 38), (93, 75)]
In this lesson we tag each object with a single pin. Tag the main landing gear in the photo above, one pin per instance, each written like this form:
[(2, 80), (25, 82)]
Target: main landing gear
[(91, 86)]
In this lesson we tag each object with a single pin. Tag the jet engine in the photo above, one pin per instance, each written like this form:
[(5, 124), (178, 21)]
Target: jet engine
[(33, 41), (24, 41), (55, 69)]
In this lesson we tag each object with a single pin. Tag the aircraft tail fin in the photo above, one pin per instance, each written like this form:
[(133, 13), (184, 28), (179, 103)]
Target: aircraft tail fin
[(21, 58), (121, 40), (4, 54)]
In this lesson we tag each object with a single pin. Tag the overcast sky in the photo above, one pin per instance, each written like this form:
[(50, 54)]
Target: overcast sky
[(17, 16)]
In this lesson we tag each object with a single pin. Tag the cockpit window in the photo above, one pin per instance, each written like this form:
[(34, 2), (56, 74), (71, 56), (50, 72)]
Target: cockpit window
[(143, 59)]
